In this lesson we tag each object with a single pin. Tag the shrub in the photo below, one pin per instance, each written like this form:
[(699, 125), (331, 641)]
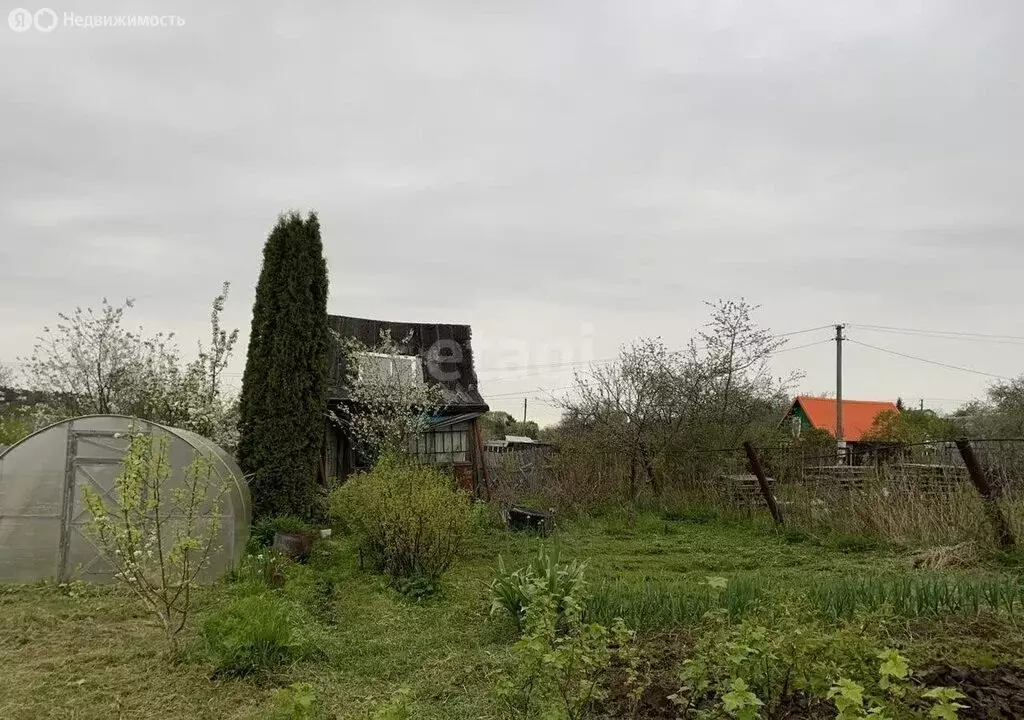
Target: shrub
[(409, 519), (159, 540), (513, 591), (786, 653), (561, 666), (253, 634)]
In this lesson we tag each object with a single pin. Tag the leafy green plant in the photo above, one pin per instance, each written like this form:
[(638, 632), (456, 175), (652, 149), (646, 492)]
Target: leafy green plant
[(945, 705), (295, 702), (850, 702), (415, 588), (252, 634), (512, 591), (158, 539), (560, 665), (409, 519), (75, 589), (787, 652), (893, 672), (897, 696), (739, 702)]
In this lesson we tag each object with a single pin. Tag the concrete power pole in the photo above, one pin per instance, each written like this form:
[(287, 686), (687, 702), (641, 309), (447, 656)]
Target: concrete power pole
[(524, 411), (840, 443)]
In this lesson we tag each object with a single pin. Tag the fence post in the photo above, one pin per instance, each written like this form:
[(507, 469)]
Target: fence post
[(762, 481), (992, 509), (481, 454)]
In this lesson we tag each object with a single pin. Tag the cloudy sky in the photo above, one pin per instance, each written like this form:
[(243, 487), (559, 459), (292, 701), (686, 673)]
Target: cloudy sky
[(564, 176)]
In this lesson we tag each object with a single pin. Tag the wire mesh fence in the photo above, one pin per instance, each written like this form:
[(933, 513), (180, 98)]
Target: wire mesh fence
[(919, 493)]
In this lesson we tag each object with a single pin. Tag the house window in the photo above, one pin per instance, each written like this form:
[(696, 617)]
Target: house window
[(444, 446), (399, 370), (795, 425)]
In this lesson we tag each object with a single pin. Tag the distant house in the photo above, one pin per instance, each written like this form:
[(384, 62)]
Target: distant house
[(434, 354), (510, 442), (516, 443), (820, 414)]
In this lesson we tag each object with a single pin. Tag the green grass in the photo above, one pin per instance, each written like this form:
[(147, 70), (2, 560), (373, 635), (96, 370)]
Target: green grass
[(98, 655)]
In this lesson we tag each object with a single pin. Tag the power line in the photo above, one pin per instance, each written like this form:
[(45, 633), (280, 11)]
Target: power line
[(520, 393), (601, 361), (800, 332), (926, 360), (801, 347), (946, 334)]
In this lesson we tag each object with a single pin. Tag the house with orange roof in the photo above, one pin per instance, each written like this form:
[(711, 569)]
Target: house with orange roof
[(820, 414)]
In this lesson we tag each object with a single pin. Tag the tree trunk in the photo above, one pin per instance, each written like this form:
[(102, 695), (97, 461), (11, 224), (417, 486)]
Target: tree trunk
[(632, 490)]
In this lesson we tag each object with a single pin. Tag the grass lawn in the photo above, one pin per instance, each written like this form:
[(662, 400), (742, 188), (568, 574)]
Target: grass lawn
[(98, 654)]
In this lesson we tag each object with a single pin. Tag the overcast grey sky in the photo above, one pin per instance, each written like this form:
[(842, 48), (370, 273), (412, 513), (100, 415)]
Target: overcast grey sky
[(564, 176)]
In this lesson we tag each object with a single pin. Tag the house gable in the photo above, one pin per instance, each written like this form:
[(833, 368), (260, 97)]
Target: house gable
[(445, 351), (820, 413)]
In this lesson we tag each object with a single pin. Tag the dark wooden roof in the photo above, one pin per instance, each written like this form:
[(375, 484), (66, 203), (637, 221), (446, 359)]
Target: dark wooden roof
[(446, 352)]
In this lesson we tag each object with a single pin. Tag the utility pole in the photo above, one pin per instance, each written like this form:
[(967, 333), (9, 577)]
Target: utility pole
[(524, 411), (840, 444)]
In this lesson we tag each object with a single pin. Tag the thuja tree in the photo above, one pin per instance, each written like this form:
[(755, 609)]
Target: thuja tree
[(284, 390)]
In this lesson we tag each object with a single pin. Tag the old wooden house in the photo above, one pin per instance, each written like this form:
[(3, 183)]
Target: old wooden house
[(858, 417), (435, 354)]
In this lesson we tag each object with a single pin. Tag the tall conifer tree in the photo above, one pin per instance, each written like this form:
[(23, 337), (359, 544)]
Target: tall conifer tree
[(284, 390)]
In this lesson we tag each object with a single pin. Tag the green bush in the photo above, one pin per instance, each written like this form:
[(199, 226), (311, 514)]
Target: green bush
[(409, 519), (513, 591), (253, 634), (561, 667)]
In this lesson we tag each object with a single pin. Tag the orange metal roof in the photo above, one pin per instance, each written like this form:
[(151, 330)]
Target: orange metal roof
[(858, 415)]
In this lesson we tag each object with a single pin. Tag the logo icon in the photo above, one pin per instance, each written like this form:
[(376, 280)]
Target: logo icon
[(46, 20), (20, 19)]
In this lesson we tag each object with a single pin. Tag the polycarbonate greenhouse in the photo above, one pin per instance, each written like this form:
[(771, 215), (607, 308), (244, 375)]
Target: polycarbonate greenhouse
[(42, 511)]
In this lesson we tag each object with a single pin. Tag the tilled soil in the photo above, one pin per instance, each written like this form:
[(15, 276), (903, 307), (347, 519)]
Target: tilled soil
[(992, 693)]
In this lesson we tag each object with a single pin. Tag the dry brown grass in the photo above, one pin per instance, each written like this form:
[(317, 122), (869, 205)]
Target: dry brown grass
[(943, 557)]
